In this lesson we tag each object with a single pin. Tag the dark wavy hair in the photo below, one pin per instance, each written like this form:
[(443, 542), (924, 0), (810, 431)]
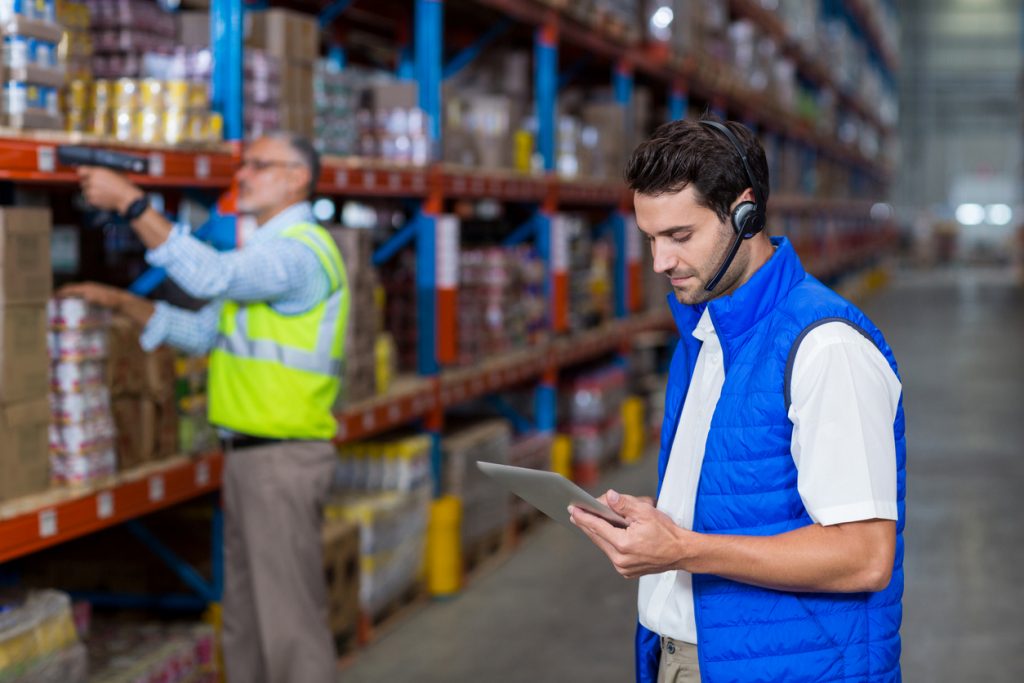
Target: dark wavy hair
[(685, 152)]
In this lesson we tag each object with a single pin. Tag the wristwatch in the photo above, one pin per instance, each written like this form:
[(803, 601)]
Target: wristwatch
[(136, 209)]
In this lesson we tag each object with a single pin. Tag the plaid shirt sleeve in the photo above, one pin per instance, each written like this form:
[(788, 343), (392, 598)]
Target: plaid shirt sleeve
[(191, 331), (283, 272)]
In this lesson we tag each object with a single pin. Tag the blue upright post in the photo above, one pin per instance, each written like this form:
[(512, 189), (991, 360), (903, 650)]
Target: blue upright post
[(426, 294), (623, 87), (429, 39), (546, 91), (226, 39), (678, 103)]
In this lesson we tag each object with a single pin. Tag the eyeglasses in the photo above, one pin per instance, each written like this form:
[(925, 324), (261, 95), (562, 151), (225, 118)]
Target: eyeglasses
[(260, 165)]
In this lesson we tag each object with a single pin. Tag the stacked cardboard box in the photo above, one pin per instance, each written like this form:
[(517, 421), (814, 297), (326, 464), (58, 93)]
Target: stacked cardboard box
[(121, 650), (143, 389), (25, 287), (82, 448), (195, 434), (394, 463), (485, 505), (123, 31), (591, 404), (392, 535), (399, 280), (294, 39), (31, 72), (341, 566), (501, 301), (38, 641), (364, 324)]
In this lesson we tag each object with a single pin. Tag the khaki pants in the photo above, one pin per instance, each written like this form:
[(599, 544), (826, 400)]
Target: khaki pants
[(275, 592), (678, 662)]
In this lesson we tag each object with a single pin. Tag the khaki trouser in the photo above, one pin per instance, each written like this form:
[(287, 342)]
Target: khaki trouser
[(275, 592), (678, 662)]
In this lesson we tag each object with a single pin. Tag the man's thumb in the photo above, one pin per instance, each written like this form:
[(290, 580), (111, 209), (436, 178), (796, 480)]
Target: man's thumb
[(617, 502)]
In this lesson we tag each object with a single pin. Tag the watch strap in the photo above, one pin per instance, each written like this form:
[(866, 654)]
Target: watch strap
[(136, 209)]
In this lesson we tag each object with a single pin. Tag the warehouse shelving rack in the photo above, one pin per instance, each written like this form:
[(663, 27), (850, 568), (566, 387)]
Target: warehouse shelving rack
[(42, 521)]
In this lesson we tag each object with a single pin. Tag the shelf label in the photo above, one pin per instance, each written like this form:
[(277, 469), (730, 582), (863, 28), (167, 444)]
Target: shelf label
[(104, 504), (156, 164), (394, 413), (559, 244), (395, 181), (369, 180), (47, 523), (460, 185), (340, 177), (156, 488), (202, 166), (447, 233), (342, 429), (369, 422), (202, 473), (46, 159)]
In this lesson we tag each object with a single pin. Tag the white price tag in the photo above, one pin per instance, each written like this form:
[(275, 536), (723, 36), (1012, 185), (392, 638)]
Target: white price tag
[(447, 234), (369, 180), (156, 164), (156, 488), (202, 166), (46, 159), (342, 430), (633, 242), (104, 504), (559, 244), (340, 177), (394, 181), (202, 473), (368, 420), (460, 185), (47, 523), (394, 413)]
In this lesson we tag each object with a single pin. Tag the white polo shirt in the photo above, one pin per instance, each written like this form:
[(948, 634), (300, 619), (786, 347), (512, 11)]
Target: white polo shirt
[(844, 402)]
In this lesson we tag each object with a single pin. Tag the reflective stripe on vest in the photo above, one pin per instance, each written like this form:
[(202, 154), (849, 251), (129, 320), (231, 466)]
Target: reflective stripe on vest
[(319, 361)]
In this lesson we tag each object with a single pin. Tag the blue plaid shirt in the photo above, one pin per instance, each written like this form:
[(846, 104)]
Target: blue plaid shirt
[(283, 272)]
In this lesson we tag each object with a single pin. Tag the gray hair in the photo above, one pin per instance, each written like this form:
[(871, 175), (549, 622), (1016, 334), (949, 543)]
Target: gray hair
[(308, 155)]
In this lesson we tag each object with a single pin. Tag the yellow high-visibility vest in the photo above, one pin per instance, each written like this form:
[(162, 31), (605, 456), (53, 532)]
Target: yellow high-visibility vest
[(277, 376)]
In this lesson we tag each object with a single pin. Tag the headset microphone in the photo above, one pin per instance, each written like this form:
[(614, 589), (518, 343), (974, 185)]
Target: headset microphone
[(748, 218)]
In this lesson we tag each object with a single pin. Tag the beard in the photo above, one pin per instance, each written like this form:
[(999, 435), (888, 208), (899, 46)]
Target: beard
[(694, 292)]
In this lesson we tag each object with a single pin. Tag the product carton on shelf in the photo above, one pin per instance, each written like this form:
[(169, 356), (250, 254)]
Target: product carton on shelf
[(286, 34), (24, 366), (341, 565), (25, 273), (24, 444)]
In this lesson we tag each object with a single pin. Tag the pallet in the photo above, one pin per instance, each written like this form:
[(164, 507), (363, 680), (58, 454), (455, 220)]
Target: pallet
[(369, 628), (489, 546)]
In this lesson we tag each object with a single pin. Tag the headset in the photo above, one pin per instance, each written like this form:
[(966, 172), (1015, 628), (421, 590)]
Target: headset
[(748, 218)]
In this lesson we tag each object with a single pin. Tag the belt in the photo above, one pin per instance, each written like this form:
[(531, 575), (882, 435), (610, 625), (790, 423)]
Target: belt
[(237, 441)]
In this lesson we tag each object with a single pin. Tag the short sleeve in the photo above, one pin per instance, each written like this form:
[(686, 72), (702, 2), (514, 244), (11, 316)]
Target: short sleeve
[(845, 397)]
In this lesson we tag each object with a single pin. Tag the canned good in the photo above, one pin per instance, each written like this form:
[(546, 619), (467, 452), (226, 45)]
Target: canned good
[(126, 93), (151, 94), (99, 122), (76, 121), (176, 94), (148, 127), (76, 96), (176, 126), (15, 97), (103, 94), (214, 128), (123, 124), (198, 95), (16, 51), (51, 101)]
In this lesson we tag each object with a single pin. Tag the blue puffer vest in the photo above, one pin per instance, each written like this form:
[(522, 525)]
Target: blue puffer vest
[(748, 486)]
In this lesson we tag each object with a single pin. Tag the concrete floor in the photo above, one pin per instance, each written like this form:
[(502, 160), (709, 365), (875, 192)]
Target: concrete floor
[(555, 610)]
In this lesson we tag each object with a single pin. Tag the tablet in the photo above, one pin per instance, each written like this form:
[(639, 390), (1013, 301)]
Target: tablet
[(549, 492)]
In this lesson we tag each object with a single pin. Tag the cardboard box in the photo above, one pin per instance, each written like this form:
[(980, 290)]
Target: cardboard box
[(24, 360), (286, 34), (25, 273), (193, 29), (394, 95), (24, 448), (341, 567)]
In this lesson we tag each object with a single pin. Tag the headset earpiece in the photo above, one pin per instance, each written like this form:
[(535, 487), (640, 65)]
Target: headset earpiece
[(746, 220)]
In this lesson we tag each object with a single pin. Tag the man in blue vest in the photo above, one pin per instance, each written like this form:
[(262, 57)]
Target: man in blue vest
[(774, 551)]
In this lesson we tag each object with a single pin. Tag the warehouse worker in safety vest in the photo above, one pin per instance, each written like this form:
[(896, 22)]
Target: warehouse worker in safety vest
[(274, 328)]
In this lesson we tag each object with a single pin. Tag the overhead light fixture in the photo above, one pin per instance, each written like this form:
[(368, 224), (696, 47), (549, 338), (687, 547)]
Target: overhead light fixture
[(323, 209), (970, 214), (999, 214), (662, 17)]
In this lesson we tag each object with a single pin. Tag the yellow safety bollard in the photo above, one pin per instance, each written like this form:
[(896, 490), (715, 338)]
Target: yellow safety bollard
[(632, 430), (561, 456), (444, 547)]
